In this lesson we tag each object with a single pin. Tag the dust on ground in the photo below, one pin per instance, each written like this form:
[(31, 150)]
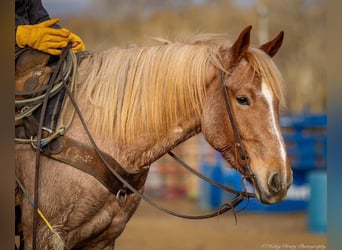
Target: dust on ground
[(151, 229)]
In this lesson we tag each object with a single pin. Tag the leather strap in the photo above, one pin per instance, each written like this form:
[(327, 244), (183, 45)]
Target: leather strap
[(243, 158), (245, 193), (224, 208), (39, 137), (86, 159)]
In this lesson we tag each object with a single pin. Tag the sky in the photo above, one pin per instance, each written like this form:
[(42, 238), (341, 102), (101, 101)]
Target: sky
[(60, 7), (65, 7)]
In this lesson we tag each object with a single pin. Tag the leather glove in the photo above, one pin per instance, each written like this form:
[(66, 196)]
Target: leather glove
[(77, 43), (43, 37)]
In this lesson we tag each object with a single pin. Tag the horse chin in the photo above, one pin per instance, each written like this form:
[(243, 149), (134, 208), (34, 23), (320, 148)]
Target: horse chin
[(268, 200), (265, 197), (262, 194)]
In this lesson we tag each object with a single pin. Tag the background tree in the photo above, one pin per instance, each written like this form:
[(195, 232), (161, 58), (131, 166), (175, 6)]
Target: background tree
[(302, 60)]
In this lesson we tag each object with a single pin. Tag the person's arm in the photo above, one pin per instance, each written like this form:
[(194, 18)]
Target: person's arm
[(27, 14), (35, 29), (30, 12), (43, 37), (38, 13)]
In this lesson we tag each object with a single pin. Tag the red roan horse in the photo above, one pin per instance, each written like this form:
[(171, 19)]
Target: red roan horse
[(141, 102)]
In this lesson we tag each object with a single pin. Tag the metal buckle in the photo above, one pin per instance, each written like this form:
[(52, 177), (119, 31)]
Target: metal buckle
[(121, 196), (33, 141)]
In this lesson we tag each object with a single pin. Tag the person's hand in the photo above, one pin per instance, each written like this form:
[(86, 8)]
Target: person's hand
[(77, 43), (43, 37)]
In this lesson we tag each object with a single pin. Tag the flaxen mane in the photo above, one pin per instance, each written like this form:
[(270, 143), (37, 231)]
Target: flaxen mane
[(146, 90)]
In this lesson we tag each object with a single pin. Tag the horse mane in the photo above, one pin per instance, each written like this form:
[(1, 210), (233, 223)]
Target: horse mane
[(146, 90)]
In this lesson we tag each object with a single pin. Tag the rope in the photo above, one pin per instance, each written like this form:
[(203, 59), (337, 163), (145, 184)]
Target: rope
[(58, 241), (66, 61), (43, 142), (33, 103), (65, 108)]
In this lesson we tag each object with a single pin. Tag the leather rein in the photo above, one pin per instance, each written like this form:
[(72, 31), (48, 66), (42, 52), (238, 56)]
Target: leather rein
[(240, 195), (108, 162)]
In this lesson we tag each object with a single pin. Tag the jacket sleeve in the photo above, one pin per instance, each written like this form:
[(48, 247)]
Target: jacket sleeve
[(30, 12)]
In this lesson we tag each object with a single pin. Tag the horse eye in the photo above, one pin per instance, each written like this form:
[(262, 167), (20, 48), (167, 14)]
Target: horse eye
[(243, 100)]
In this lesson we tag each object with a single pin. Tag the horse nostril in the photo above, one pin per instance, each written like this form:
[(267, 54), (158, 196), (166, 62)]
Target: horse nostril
[(274, 183)]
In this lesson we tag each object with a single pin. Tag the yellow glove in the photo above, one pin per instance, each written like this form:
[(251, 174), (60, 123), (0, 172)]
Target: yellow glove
[(42, 37), (77, 43)]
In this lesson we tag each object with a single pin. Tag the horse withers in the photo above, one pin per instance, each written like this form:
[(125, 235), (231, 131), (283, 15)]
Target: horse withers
[(139, 103)]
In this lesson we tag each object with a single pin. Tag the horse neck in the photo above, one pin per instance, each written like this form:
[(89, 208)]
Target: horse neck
[(145, 151), (136, 156)]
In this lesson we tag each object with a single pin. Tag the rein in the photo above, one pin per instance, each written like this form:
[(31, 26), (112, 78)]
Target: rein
[(240, 195), (39, 136), (121, 195), (210, 181), (224, 208)]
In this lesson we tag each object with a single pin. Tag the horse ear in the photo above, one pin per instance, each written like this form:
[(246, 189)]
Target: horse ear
[(272, 47), (241, 45)]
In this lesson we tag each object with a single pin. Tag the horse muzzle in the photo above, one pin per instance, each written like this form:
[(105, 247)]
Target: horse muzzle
[(274, 189)]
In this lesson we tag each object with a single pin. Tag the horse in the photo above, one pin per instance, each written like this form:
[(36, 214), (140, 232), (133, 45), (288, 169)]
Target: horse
[(141, 102)]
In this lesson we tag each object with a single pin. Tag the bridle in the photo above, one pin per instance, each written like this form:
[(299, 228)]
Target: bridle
[(241, 154), (240, 195)]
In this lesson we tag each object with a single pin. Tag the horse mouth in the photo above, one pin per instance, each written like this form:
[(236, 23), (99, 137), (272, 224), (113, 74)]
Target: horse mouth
[(265, 197)]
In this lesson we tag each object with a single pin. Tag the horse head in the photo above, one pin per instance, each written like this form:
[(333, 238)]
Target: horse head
[(255, 94)]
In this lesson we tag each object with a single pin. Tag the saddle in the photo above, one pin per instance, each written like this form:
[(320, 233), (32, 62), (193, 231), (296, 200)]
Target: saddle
[(32, 71)]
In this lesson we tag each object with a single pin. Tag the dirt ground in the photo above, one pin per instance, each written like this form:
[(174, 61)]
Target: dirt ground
[(151, 229)]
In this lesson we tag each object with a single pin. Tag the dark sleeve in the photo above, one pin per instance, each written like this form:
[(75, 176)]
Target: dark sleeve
[(30, 12)]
